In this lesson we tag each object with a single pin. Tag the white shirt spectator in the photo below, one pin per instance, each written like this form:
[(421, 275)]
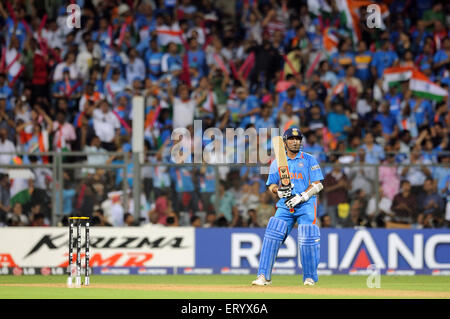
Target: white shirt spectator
[(363, 107), (84, 61), (63, 28), (55, 39), (6, 146), (105, 125), (135, 69), (117, 213), (41, 174), (415, 175), (145, 207), (201, 34), (73, 71), (183, 112), (166, 35), (384, 206), (99, 159), (13, 56)]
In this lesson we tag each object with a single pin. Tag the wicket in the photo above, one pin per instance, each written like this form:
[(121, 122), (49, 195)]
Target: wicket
[(79, 221)]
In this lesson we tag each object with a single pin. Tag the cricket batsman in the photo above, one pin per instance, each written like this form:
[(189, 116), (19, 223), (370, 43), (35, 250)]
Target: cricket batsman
[(297, 203)]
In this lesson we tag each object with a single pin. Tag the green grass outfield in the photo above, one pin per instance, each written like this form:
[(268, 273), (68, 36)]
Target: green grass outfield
[(222, 287)]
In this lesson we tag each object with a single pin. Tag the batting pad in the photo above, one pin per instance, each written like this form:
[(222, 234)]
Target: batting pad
[(273, 238), (309, 246)]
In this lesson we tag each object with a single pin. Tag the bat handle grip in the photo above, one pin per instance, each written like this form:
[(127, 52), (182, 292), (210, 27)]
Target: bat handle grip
[(291, 210)]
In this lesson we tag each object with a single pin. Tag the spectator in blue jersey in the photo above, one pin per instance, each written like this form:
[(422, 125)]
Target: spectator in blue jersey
[(312, 99), (363, 60), (388, 120), (182, 178), (114, 85), (343, 58), (145, 21), (419, 35), (7, 120), (441, 60), (394, 96), (153, 59), (314, 119), (432, 206), (421, 109), (425, 57), (312, 147), (264, 119), (327, 75), (196, 57), (120, 173), (14, 25), (407, 121), (96, 78), (374, 152), (383, 58), (207, 186), (171, 63), (5, 91), (338, 122), (227, 203), (441, 174), (247, 105), (292, 96), (67, 89), (101, 36)]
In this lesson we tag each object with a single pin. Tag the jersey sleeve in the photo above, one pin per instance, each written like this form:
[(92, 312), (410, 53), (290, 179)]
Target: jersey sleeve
[(315, 171), (274, 177)]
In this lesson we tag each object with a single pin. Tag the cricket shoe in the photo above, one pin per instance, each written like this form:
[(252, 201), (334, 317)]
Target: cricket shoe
[(261, 281), (309, 282)]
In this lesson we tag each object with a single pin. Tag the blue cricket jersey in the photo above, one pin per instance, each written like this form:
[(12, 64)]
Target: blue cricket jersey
[(304, 170)]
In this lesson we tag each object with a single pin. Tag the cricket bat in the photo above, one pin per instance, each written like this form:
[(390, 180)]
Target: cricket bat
[(281, 157)]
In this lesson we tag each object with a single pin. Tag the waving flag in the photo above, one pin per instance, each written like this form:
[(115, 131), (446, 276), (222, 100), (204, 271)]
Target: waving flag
[(421, 86), (19, 182), (350, 10), (317, 6), (392, 76), (338, 88), (330, 40)]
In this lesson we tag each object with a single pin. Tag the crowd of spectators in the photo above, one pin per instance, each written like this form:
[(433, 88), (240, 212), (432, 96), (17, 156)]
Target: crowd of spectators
[(231, 64)]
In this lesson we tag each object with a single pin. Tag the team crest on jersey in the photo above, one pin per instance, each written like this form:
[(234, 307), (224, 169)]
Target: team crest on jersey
[(300, 164)]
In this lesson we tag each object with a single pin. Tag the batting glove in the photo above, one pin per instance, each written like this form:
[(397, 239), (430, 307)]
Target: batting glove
[(285, 191), (295, 200)]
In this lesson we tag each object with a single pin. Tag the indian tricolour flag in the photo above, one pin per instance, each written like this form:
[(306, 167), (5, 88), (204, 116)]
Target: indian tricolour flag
[(338, 88), (330, 41), (421, 86), (316, 6), (19, 178), (350, 11), (392, 76)]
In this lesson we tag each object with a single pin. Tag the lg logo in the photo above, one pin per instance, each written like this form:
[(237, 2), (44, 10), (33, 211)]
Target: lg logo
[(373, 16), (74, 17)]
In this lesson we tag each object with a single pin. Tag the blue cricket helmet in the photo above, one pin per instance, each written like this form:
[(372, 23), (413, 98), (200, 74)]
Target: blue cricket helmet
[(292, 132)]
